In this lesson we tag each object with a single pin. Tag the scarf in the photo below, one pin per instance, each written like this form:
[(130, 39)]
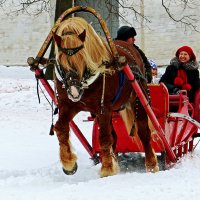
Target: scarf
[(181, 80)]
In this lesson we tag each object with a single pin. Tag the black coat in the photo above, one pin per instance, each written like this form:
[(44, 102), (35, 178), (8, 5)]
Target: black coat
[(191, 69)]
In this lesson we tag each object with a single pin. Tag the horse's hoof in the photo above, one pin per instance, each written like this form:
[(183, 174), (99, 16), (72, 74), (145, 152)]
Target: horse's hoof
[(153, 170), (71, 172), (110, 170)]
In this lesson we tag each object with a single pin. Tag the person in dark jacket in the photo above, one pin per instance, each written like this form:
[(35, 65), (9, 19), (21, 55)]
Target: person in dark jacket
[(127, 33), (182, 73)]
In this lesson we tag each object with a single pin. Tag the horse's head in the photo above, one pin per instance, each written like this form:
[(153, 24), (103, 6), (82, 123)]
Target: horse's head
[(69, 44), (79, 53)]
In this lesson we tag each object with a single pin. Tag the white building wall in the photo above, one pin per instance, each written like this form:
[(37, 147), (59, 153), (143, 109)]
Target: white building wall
[(23, 35)]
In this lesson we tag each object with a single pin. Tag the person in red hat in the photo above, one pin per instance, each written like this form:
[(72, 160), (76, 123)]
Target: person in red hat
[(182, 73)]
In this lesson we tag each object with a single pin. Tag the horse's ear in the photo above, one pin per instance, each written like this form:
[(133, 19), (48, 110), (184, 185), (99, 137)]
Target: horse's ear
[(56, 38), (82, 36)]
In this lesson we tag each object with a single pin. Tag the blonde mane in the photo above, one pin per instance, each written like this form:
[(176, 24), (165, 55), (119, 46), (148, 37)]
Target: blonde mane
[(94, 52)]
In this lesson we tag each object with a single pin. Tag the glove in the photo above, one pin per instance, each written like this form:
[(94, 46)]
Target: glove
[(176, 91)]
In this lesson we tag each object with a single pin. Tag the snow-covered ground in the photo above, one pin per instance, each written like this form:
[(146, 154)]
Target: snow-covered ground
[(29, 159)]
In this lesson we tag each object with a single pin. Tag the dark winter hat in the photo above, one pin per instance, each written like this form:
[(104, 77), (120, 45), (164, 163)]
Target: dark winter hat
[(188, 50), (125, 32)]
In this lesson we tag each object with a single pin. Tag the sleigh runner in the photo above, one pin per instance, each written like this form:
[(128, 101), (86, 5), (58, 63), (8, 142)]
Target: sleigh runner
[(172, 133)]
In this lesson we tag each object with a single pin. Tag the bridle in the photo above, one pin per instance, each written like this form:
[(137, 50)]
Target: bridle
[(70, 81), (70, 51)]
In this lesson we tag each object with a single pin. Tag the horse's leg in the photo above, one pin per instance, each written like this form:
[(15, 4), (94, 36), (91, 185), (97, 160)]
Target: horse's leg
[(128, 117), (114, 136), (67, 157), (109, 163), (144, 134)]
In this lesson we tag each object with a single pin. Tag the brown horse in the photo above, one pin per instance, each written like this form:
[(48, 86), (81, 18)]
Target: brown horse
[(87, 81)]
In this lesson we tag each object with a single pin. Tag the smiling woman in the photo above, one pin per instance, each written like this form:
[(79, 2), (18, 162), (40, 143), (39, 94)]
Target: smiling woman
[(182, 73)]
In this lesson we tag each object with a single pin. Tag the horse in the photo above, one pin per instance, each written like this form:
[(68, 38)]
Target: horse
[(87, 80)]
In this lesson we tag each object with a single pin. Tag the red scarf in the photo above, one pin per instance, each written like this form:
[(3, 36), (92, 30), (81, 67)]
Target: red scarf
[(181, 80)]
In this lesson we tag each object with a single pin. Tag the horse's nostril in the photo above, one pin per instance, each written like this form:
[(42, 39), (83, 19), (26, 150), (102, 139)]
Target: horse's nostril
[(74, 93)]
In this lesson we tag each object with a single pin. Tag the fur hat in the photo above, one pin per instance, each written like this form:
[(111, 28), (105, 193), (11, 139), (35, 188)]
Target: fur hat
[(188, 50), (125, 32)]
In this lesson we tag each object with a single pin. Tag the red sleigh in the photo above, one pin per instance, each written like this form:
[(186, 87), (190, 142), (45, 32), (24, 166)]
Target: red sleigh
[(175, 119)]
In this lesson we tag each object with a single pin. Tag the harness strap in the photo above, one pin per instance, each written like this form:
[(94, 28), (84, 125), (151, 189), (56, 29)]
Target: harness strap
[(38, 94), (55, 87), (70, 51), (103, 92), (60, 73), (121, 83)]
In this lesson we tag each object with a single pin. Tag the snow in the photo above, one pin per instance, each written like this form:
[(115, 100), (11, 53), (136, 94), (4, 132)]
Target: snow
[(29, 157)]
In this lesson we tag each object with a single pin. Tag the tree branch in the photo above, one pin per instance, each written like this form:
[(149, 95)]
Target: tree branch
[(183, 5), (177, 10)]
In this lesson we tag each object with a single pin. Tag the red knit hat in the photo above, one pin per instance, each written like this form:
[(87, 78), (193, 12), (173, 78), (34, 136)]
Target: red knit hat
[(188, 50)]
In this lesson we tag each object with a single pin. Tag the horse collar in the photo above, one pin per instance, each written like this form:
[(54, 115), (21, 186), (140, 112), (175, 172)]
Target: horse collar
[(87, 80), (71, 82)]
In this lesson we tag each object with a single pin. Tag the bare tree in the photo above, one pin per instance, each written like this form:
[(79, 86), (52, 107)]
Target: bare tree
[(180, 11), (30, 7)]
